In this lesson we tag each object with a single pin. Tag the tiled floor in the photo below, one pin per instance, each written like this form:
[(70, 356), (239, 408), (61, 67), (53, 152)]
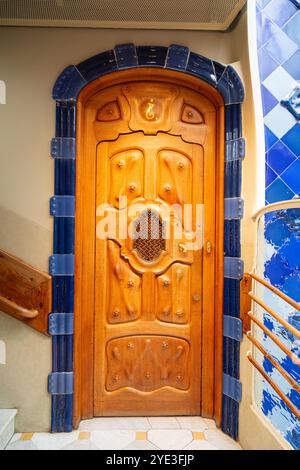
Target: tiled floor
[(186, 432)]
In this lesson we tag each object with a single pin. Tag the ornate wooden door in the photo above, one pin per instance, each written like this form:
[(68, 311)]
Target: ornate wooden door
[(155, 199)]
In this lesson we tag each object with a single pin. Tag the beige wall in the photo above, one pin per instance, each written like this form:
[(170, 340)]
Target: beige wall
[(30, 61)]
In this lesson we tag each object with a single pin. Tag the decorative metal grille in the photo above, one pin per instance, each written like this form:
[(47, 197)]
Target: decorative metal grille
[(149, 239)]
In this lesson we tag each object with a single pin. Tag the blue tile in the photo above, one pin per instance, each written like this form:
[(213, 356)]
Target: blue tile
[(177, 57), (68, 84), (219, 69), (262, 3), (265, 29), (291, 177), (290, 252), (268, 100), (292, 102), (296, 3), (292, 28), (266, 64), (126, 55), (278, 191), (98, 65), (281, 47), (292, 139), (292, 65), (279, 157), (280, 11), (152, 55), (202, 67), (270, 138), (270, 175)]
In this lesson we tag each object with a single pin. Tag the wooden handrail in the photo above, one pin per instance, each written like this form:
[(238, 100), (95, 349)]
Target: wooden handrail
[(277, 341), (15, 309), (275, 387), (276, 291), (274, 363), (275, 315), (277, 206), (25, 292)]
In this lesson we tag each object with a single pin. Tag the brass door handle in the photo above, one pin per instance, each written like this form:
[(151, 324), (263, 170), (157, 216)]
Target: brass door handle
[(182, 248), (208, 247)]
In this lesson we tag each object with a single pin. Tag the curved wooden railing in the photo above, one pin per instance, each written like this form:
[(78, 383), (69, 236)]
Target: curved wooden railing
[(25, 292), (276, 340)]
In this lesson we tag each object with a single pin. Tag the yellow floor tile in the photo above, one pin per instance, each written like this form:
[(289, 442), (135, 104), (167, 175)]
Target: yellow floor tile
[(198, 436), (141, 436), (26, 436), (84, 436)]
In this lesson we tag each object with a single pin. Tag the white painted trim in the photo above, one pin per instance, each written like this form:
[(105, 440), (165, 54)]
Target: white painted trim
[(259, 121)]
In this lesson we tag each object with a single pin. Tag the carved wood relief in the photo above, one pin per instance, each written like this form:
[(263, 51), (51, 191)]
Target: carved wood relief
[(125, 303), (150, 284), (173, 294), (147, 363)]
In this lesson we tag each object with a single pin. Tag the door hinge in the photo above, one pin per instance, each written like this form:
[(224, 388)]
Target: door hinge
[(63, 147), (61, 324), (233, 267), (62, 206), (235, 149), (61, 383), (232, 328), (61, 265), (233, 208), (232, 387)]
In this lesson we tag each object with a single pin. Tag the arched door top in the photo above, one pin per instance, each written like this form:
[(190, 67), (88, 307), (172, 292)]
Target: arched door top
[(175, 57)]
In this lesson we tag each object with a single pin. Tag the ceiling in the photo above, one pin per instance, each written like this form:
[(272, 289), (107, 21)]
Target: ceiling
[(142, 14)]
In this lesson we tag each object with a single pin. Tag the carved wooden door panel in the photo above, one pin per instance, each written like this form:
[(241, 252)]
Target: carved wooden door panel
[(149, 266)]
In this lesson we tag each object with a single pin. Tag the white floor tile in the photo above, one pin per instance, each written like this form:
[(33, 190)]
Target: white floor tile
[(55, 441), (200, 445), (170, 439), (81, 445), (109, 440), (193, 423), (21, 445), (163, 422), (221, 440), (99, 424), (141, 445)]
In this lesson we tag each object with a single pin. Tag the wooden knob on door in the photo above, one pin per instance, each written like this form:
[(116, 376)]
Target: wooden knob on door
[(182, 248)]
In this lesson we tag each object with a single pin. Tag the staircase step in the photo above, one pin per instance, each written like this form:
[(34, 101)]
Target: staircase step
[(7, 426)]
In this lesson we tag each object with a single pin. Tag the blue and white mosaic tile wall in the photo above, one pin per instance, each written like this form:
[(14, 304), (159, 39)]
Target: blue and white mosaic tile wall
[(278, 43)]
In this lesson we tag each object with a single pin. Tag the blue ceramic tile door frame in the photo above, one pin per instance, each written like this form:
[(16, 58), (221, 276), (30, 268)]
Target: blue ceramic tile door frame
[(65, 92)]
